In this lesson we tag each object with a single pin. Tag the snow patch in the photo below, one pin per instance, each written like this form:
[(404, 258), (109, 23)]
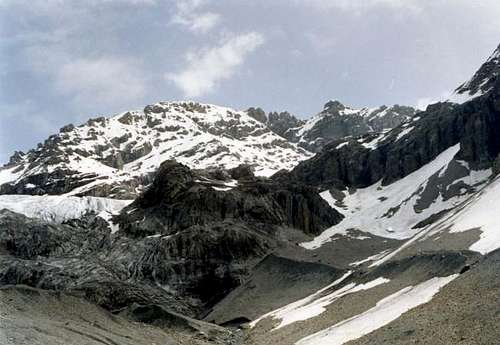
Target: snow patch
[(316, 303), (386, 311), (404, 132), (370, 258)]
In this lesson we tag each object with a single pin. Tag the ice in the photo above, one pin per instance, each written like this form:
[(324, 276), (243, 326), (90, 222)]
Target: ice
[(57, 208)]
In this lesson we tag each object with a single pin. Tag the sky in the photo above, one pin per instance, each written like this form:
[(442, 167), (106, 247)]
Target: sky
[(64, 61)]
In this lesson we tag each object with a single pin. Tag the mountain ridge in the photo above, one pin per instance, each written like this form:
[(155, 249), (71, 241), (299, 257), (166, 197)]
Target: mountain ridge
[(116, 156)]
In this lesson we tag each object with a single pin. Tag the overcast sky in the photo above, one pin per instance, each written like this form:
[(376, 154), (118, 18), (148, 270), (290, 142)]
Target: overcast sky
[(65, 61)]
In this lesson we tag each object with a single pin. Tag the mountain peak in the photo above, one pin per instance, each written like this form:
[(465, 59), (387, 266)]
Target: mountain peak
[(334, 105), (481, 82)]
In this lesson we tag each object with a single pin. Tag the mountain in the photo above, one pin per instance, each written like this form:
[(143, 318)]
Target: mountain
[(384, 236), (337, 121), (116, 156), (483, 81), (397, 183), (182, 245)]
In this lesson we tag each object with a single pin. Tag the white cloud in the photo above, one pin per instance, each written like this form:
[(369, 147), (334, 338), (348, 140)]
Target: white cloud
[(403, 6), (188, 15), (106, 80), (360, 5), (207, 68)]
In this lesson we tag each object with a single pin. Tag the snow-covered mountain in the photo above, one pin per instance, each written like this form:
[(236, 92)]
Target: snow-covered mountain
[(337, 121), (114, 156), (400, 183)]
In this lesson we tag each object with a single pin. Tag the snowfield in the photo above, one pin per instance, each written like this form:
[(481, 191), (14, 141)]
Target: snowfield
[(477, 213)]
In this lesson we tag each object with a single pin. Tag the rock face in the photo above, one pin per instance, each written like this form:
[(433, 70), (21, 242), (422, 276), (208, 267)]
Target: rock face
[(336, 121), (217, 227), (284, 123), (179, 198)]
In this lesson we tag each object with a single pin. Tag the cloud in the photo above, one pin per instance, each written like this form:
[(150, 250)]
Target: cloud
[(189, 16), (106, 80), (414, 7), (361, 5), (423, 102), (207, 68)]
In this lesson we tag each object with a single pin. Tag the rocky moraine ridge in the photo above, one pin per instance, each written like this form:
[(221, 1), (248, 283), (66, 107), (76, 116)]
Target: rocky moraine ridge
[(197, 224)]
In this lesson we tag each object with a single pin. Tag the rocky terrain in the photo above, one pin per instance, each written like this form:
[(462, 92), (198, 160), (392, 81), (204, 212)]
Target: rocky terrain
[(195, 224)]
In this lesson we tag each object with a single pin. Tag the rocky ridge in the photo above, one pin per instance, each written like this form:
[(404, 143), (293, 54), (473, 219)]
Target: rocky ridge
[(117, 156), (336, 121)]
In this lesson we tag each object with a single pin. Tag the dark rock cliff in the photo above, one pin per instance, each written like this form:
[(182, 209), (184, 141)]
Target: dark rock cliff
[(474, 125)]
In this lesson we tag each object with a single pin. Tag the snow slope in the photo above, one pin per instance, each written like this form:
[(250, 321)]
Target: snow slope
[(388, 309), (392, 211), (478, 213)]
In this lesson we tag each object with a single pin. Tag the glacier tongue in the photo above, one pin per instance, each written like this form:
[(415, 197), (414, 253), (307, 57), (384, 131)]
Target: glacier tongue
[(55, 208)]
